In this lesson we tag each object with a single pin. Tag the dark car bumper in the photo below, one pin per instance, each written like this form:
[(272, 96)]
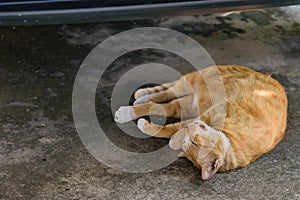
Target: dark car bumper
[(38, 12)]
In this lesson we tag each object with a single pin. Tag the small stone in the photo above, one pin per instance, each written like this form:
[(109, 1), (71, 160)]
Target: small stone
[(292, 89), (58, 74), (114, 171), (64, 180), (49, 90)]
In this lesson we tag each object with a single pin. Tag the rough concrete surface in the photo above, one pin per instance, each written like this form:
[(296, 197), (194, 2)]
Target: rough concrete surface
[(42, 157)]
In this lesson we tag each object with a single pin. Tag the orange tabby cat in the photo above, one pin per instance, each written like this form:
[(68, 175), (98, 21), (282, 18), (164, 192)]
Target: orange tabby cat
[(224, 126)]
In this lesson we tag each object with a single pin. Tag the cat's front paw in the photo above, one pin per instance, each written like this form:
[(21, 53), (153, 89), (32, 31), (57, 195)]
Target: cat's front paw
[(141, 123), (124, 114)]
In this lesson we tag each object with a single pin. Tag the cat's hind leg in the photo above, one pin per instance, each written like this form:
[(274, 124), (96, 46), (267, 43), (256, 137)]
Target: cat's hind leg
[(177, 90), (150, 90), (177, 108), (159, 97)]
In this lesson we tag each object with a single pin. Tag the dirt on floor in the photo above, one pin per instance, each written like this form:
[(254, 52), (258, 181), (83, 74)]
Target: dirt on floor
[(42, 156)]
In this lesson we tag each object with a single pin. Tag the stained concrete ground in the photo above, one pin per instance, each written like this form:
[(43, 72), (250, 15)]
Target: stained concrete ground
[(42, 157)]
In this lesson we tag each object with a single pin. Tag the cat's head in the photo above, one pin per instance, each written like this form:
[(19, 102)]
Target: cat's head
[(203, 145)]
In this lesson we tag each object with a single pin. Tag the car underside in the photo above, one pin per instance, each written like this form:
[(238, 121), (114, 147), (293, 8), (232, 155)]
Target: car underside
[(39, 12)]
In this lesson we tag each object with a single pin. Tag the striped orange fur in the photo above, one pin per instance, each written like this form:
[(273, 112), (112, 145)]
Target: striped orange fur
[(253, 119)]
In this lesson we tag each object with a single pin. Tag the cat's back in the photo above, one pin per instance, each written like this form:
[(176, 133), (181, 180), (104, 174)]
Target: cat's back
[(256, 108), (249, 80), (239, 83), (253, 92), (245, 86)]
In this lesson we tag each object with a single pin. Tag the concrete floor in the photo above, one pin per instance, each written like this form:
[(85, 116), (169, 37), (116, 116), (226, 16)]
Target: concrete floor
[(42, 157)]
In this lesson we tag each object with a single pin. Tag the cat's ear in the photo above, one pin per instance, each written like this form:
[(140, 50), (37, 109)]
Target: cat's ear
[(210, 167), (176, 141)]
